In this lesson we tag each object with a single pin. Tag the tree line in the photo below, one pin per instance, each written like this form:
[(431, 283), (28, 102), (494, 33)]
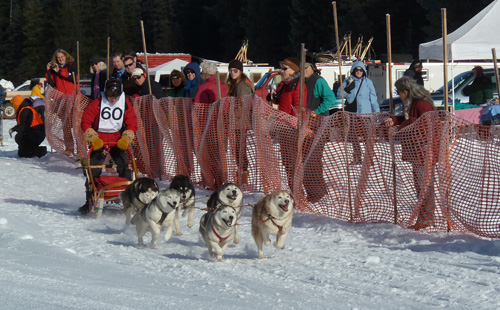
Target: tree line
[(31, 30)]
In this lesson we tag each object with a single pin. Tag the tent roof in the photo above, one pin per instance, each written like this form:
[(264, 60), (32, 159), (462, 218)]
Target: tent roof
[(167, 67), (472, 41)]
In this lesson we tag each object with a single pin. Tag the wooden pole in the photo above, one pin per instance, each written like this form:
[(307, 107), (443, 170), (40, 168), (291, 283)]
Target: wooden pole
[(334, 4), (389, 53), (107, 57), (302, 80), (146, 57), (445, 59), (493, 51), (77, 82), (217, 79)]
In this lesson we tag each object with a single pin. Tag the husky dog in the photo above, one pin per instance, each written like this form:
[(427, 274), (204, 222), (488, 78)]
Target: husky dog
[(272, 215), (185, 187), (138, 194), (229, 194), (154, 215), (218, 229)]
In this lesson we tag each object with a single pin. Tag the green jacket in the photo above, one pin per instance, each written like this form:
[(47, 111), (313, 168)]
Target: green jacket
[(479, 91)]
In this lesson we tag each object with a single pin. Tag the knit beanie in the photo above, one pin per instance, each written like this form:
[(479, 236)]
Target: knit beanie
[(236, 64), (292, 62)]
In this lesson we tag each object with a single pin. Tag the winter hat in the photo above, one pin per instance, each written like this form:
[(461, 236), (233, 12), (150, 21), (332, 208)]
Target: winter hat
[(236, 64), (95, 60), (17, 101), (209, 67), (113, 88), (479, 70), (417, 63), (137, 72), (292, 62)]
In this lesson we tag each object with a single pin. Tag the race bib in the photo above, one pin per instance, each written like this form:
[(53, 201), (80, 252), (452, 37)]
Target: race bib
[(111, 115)]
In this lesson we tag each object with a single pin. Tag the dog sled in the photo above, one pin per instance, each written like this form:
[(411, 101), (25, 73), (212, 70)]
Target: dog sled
[(105, 190)]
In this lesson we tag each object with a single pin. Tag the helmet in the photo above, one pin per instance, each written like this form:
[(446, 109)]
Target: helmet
[(113, 88), (17, 101)]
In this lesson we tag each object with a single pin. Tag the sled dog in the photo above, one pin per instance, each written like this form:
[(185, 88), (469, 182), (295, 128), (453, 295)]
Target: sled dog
[(159, 212), (272, 215), (218, 229), (185, 187), (137, 195), (229, 194)]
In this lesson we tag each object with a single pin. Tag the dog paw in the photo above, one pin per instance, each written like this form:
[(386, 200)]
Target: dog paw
[(190, 224), (179, 233), (219, 258), (213, 255), (261, 256), (267, 242), (236, 241), (276, 245)]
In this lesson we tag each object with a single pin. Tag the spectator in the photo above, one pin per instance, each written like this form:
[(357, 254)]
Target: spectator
[(193, 79), (140, 79), (177, 81), (62, 72), (99, 129), (415, 72), (207, 93), (238, 84), (481, 89), (320, 99), (416, 102), (129, 86), (99, 72), (118, 66), (36, 88), (287, 92), (361, 97), (30, 129)]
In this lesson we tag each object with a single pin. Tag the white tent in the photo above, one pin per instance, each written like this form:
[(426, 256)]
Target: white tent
[(166, 68), (472, 41)]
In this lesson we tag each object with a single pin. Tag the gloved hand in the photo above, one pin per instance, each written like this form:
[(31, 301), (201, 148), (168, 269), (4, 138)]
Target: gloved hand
[(350, 85), (92, 137), (11, 131), (124, 141)]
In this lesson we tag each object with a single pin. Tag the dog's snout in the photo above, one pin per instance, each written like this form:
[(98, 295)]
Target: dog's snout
[(231, 217), (287, 201), (234, 192)]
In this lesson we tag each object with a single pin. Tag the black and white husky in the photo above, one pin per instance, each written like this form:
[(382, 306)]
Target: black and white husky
[(218, 229), (138, 194), (161, 211), (185, 187), (229, 194)]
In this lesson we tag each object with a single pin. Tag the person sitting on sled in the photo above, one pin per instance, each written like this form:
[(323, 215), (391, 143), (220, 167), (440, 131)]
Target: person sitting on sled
[(109, 119)]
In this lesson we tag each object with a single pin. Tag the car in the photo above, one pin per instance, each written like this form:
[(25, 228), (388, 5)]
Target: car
[(459, 82), (25, 91)]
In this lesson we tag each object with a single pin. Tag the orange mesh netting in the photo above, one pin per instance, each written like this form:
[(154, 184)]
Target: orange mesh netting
[(439, 171)]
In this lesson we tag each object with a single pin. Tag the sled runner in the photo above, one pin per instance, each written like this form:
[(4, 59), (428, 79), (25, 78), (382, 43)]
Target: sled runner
[(106, 189)]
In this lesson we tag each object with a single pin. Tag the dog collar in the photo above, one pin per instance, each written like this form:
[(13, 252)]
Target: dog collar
[(220, 238)]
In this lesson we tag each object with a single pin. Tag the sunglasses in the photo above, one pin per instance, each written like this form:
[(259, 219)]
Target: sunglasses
[(234, 70), (176, 78), (189, 72), (358, 70), (137, 77), (129, 65), (284, 69)]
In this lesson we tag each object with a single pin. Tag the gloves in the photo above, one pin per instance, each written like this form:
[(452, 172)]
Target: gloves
[(350, 85), (92, 137), (124, 141)]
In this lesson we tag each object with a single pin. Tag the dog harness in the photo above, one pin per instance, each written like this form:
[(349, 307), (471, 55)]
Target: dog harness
[(163, 217), (280, 228), (220, 238)]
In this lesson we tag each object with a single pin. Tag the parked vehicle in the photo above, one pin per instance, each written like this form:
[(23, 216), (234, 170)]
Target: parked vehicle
[(25, 91), (459, 83)]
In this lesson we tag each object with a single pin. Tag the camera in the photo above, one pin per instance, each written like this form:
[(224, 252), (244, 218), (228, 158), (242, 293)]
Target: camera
[(53, 65)]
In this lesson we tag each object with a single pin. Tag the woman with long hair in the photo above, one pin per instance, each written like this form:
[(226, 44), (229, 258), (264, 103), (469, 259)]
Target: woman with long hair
[(62, 72), (416, 102)]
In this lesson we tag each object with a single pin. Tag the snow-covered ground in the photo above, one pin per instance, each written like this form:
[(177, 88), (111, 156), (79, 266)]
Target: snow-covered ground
[(51, 257)]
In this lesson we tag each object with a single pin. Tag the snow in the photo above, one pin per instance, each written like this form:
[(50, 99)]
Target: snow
[(54, 258)]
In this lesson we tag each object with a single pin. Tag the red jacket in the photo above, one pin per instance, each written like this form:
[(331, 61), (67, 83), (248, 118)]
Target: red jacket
[(418, 109), (90, 119), (207, 92), (63, 80), (289, 97)]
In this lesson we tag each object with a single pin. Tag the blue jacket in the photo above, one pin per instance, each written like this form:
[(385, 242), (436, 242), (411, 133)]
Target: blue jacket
[(191, 86), (367, 97)]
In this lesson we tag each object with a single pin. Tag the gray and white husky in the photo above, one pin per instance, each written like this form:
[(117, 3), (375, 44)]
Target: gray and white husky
[(229, 194), (218, 229), (137, 195), (161, 211), (185, 186)]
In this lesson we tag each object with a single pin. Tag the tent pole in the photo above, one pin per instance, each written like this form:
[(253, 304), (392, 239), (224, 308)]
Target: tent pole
[(146, 56), (445, 60), (493, 50)]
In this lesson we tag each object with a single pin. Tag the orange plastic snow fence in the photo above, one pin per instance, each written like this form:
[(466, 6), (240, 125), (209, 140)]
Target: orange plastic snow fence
[(440, 173)]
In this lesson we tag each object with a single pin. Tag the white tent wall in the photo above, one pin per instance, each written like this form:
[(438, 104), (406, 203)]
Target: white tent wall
[(166, 68), (472, 41)]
